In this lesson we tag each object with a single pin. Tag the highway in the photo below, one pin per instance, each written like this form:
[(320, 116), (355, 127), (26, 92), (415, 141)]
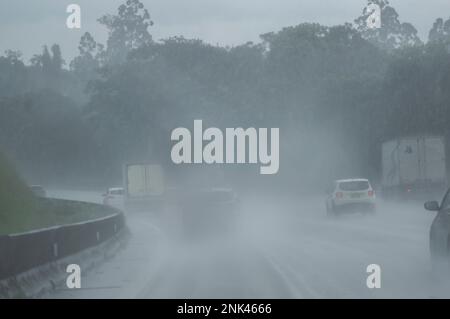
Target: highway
[(281, 248)]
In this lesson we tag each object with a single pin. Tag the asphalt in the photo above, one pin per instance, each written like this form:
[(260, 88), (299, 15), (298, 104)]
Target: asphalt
[(280, 248)]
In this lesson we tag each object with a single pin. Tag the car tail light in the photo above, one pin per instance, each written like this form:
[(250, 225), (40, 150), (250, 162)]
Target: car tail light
[(339, 195), (370, 193)]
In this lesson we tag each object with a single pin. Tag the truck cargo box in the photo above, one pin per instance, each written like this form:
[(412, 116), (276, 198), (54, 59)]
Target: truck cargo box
[(414, 166)]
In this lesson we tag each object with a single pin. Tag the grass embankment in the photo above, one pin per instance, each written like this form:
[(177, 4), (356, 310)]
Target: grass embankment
[(21, 211)]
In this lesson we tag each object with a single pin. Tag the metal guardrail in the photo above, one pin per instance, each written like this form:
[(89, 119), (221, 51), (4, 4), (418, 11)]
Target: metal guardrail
[(25, 251)]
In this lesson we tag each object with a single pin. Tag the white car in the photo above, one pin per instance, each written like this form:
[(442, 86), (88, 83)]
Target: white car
[(356, 195), (114, 197)]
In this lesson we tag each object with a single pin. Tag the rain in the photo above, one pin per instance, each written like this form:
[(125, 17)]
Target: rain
[(210, 150)]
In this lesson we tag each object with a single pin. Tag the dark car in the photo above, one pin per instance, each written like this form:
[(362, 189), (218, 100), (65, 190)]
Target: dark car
[(440, 233), (210, 212)]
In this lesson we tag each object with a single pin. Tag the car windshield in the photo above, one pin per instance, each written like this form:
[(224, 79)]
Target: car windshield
[(354, 186)]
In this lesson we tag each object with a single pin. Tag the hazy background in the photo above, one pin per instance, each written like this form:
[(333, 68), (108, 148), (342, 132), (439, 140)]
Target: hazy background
[(27, 25), (75, 105), (94, 99)]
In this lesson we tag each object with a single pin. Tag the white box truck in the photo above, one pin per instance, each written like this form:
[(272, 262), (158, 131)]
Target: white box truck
[(144, 186), (414, 167)]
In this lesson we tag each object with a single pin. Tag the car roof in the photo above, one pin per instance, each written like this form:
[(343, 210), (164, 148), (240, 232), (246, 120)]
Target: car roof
[(115, 189), (352, 180)]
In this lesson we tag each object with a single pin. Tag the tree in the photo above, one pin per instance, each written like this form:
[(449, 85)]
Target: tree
[(89, 60), (47, 69), (14, 57), (440, 31), (50, 64), (44, 132), (42, 60), (392, 34), (57, 61), (127, 30), (13, 74)]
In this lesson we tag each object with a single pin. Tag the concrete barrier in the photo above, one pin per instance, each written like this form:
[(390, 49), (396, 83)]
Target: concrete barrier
[(25, 251)]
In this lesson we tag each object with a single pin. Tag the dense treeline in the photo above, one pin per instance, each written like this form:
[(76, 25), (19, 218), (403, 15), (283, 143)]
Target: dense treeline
[(335, 92)]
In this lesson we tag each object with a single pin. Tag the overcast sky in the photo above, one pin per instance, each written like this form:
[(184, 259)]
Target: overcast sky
[(26, 25)]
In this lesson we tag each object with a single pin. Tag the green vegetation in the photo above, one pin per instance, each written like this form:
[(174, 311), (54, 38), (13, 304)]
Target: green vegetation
[(21, 211), (335, 92), (16, 200)]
